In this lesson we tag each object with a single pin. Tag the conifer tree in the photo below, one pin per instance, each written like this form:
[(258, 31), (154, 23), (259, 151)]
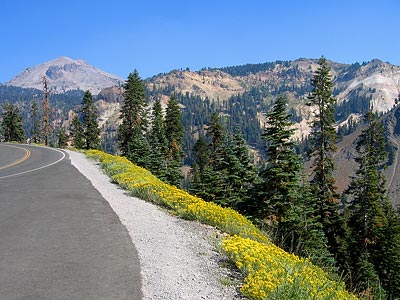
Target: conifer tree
[(215, 133), (309, 238), (235, 172), (213, 179), (387, 254), (62, 138), (11, 124), (201, 155), (244, 172), (374, 243), (91, 129), (286, 203), (278, 192), (323, 147), (208, 154), (132, 131), (200, 168), (174, 132), (158, 142), (77, 133), (222, 169)]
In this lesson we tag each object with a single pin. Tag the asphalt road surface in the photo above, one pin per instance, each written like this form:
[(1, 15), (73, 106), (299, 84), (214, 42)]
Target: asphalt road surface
[(59, 239)]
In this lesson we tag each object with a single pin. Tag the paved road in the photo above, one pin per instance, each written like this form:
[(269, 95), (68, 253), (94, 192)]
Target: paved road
[(59, 239)]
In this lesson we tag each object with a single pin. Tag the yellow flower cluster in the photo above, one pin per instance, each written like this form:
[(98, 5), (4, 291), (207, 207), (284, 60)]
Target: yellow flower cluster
[(271, 273), (141, 183)]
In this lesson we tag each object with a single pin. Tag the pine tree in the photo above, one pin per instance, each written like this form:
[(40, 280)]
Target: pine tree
[(158, 142), (208, 153), (387, 254), (132, 131), (309, 237), (200, 168), (91, 130), (201, 154), (213, 179), (35, 123), (215, 132), (77, 133), (227, 175), (174, 132), (374, 244), (62, 138), (235, 172), (11, 124), (278, 192), (324, 137), (284, 202)]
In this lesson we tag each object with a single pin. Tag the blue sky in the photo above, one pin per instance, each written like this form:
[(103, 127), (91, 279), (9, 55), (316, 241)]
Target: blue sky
[(158, 36)]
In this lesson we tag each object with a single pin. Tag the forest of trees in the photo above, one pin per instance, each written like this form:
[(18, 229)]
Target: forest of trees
[(354, 235)]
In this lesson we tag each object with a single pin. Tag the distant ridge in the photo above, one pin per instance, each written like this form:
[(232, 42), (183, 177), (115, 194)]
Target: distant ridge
[(65, 74)]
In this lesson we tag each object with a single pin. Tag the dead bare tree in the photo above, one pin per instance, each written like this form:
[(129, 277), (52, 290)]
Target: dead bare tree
[(46, 110)]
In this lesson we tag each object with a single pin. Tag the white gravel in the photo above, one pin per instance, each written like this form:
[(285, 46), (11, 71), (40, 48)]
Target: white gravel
[(178, 258)]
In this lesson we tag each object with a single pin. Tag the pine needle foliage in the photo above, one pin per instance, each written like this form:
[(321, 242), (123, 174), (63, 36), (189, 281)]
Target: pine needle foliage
[(375, 228), (131, 135), (12, 125), (77, 133), (90, 125), (174, 133), (323, 139)]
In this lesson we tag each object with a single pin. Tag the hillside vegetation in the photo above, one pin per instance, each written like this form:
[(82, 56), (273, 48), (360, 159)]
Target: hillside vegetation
[(270, 272)]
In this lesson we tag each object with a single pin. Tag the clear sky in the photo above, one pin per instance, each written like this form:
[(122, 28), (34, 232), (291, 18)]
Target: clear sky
[(157, 36)]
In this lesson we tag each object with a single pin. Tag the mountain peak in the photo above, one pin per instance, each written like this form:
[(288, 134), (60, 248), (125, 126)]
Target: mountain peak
[(64, 74), (62, 60)]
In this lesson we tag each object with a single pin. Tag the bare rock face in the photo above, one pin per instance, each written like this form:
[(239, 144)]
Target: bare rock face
[(65, 74)]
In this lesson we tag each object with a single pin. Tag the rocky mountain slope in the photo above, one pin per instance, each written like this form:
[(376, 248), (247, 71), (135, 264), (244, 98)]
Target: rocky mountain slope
[(357, 87), (65, 74), (242, 94), (377, 79), (346, 152)]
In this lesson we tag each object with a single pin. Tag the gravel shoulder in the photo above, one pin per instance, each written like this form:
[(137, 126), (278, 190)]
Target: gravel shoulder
[(178, 258)]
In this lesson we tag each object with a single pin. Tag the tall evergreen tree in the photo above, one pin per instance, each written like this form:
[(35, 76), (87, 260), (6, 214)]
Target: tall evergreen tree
[(90, 125), (201, 154), (215, 133), (387, 255), (373, 222), (208, 153), (35, 123), (283, 201), (77, 133), (132, 131), (158, 142), (324, 137), (62, 138), (223, 171), (11, 124), (200, 168), (213, 177), (174, 132), (278, 192), (236, 171)]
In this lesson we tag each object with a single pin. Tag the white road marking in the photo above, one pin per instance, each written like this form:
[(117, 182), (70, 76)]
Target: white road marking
[(36, 169)]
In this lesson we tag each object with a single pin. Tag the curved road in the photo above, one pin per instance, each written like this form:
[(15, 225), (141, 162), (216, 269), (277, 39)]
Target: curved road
[(59, 239)]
